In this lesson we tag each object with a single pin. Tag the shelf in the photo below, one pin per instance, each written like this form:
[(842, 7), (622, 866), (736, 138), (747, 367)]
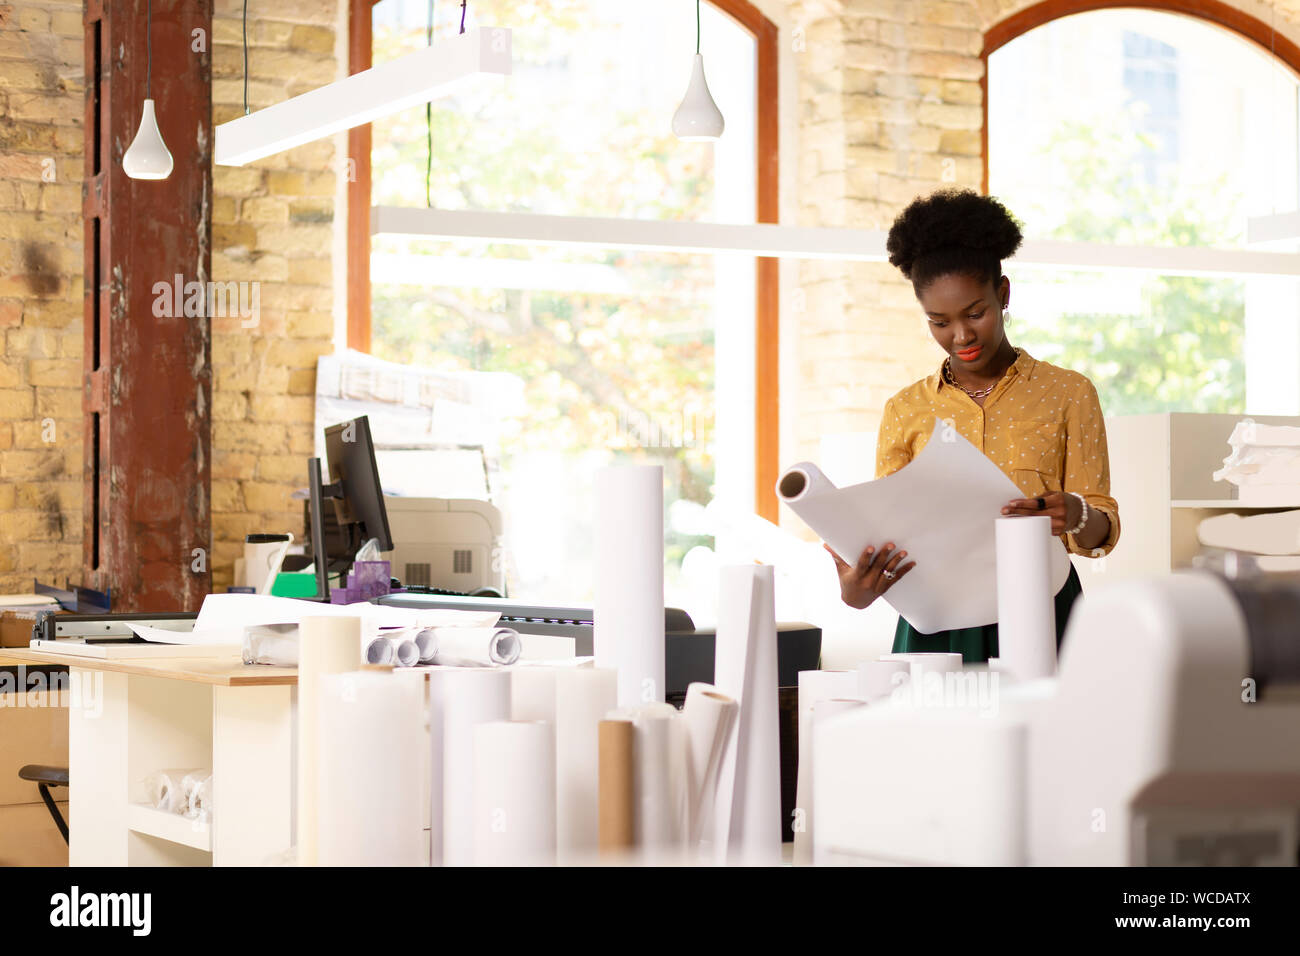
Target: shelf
[(1229, 504), (169, 826)]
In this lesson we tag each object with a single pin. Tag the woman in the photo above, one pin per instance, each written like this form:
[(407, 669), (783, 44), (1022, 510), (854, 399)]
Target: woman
[(1041, 424)]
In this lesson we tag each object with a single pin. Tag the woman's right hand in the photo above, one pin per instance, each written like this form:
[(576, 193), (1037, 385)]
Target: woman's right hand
[(862, 583)]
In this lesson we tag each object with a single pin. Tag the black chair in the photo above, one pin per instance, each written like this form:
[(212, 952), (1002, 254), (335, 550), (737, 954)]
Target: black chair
[(44, 778)]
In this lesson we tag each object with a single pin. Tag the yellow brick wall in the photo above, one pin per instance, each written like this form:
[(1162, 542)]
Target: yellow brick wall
[(272, 224), (41, 107)]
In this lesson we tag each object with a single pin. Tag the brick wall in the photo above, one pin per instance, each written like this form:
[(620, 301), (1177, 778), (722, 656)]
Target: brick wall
[(272, 224), (41, 105)]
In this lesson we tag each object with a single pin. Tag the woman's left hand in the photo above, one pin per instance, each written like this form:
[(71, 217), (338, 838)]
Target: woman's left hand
[(1063, 509)]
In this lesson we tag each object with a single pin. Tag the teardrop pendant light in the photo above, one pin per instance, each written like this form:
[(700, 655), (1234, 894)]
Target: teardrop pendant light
[(698, 118), (148, 156)]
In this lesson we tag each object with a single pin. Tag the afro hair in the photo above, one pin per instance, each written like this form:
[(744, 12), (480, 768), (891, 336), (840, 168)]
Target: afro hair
[(953, 231)]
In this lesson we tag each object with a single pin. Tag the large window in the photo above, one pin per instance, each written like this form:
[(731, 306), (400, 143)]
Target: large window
[(1152, 129), (613, 356)]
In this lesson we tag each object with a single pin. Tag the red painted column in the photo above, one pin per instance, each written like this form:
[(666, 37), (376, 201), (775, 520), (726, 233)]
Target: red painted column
[(148, 374)]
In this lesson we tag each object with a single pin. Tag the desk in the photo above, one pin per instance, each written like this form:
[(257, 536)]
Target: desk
[(129, 718)]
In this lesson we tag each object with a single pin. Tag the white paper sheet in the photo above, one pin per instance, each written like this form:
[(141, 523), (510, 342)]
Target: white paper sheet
[(234, 612), (161, 635), (940, 508)]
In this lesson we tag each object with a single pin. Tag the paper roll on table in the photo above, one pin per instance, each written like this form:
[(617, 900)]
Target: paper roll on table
[(814, 686), (327, 645), (659, 777), (709, 716), (747, 822), (474, 646), (399, 652), (368, 787), (514, 793), (583, 697), (1026, 607), (473, 696), (628, 605), (877, 680), (185, 792)]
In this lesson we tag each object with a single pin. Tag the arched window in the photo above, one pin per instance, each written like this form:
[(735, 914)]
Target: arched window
[(592, 357), (1147, 127)]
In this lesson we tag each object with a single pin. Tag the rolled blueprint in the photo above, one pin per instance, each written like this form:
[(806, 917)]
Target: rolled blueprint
[(476, 646), (473, 696), (950, 537), (877, 680), (616, 805), (514, 793), (583, 697), (628, 605), (709, 716), (659, 778), (813, 686), (380, 650), (167, 790), (1026, 609), (426, 644), (368, 797), (326, 645), (747, 822), (198, 794), (405, 653)]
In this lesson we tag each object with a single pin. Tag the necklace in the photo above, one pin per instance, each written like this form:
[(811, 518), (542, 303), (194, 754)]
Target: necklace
[(979, 393)]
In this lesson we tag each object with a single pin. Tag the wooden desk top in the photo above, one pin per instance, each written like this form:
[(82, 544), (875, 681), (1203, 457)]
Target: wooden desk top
[(224, 671)]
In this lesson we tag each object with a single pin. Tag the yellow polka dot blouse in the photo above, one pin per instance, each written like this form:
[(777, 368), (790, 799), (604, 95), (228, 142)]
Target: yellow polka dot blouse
[(1041, 424)]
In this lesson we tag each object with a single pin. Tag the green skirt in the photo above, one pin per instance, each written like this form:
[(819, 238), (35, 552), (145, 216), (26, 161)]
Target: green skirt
[(980, 643)]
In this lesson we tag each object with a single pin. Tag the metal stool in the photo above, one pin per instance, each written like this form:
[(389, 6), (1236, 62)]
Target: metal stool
[(44, 778)]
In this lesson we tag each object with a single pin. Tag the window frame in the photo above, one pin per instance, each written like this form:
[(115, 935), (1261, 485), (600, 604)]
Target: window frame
[(767, 280), (1212, 11)]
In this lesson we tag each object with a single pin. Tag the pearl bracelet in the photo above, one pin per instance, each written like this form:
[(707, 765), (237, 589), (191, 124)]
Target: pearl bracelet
[(1083, 520)]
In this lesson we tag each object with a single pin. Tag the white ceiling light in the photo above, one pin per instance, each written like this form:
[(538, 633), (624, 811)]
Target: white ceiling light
[(698, 118), (148, 156), (415, 79)]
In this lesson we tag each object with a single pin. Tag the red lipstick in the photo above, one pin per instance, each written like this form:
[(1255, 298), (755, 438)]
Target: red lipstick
[(971, 354)]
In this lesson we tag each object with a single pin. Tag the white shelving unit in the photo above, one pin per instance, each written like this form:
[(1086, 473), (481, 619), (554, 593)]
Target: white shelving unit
[(1161, 467)]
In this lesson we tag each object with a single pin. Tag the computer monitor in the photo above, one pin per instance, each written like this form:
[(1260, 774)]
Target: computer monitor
[(355, 489)]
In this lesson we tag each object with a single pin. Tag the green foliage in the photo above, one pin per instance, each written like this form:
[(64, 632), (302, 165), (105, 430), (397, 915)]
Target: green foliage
[(1184, 350)]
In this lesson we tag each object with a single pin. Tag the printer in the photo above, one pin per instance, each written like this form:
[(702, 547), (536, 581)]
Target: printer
[(1167, 738)]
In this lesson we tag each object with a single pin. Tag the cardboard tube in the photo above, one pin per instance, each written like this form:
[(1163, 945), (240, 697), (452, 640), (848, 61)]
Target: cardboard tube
[(326, 645), (616, 816)]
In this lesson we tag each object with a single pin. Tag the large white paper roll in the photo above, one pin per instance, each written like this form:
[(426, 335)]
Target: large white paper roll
[(514, 794), (629, 580), (659, 778), (583, 696), (877, 680), (532, 693), (476, 646), (473, 696), (813, 686), (709, 716), (1026, 607), (920, 663), (368, 798), (747, 825), (327, 645), (821, 709), (437, 693)]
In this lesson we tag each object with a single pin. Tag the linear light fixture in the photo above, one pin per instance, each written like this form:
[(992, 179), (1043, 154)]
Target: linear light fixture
[(415, 79), (798, 242), (1278, 227)]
